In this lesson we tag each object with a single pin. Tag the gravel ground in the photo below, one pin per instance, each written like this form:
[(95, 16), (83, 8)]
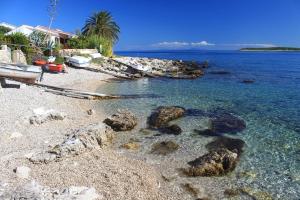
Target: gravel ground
[(113, 175)]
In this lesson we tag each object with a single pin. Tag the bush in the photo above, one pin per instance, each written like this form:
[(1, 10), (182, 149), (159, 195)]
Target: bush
[(4, 30), (38, 38), (103, 45)]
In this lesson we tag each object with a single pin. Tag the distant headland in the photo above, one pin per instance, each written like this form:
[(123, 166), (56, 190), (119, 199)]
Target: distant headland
[(271, 49)]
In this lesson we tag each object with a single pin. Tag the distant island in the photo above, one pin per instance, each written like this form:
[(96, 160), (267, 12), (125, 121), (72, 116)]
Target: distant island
[(271, 49)]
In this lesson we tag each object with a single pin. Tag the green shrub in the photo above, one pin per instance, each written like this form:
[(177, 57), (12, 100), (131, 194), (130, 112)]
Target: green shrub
[(4, 30), (103, 45), (38, 38)]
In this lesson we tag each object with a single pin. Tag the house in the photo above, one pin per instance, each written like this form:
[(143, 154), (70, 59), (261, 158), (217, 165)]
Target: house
[(56, 36)]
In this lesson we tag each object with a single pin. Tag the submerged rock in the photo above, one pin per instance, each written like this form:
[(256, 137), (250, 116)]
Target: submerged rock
[(85, 139), (219, 72), (163, 115), (172, 130), (207, 133), (227, 123), (195, 190), (215, 163), (248, 81), (232, 144), (123, 120), (164, 148)]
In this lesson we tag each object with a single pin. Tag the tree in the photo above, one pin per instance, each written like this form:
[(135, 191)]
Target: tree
[(4, 30), (103, 25)]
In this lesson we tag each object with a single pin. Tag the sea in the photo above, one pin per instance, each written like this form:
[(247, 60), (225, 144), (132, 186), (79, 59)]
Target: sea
[(270, 106)]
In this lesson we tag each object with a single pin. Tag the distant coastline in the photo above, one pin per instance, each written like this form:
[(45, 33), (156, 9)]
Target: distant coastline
[(271, 49)]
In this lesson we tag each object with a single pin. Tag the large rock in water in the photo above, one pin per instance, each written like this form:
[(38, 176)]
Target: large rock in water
[(164, 114), (215, 163), (18, 57), (227, 123), (232, 144), (122, 121), (94, 136)]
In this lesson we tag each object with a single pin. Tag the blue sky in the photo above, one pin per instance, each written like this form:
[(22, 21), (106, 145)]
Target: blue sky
[(174, 24)]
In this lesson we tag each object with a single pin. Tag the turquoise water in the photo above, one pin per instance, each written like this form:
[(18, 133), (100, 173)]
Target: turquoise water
[(270, 107)]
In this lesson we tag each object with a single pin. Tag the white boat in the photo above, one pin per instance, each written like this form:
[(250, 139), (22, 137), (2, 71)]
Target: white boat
[(26, 73), (79, 61)]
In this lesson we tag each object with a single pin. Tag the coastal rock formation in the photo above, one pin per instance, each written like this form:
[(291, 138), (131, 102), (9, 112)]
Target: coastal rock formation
[(172, 130), (163, 115), (85, 139), (219, 72), (227, 123), (41, 115), (232, 144), (33, 190), (215, 163), (123, 120), (164, 148)]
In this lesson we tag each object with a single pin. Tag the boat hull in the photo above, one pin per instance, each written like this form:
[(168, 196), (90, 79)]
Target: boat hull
[(29, 74)]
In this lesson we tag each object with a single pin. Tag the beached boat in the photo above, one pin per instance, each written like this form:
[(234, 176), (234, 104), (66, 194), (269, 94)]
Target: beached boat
[(79, 61), (26, 73)]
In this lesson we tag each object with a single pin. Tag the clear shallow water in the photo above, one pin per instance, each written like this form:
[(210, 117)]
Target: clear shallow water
[(270, 107)]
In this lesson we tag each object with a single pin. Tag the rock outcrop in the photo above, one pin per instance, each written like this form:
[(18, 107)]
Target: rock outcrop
[(94, 136), (163, 115), (215, 163), (123, 120)]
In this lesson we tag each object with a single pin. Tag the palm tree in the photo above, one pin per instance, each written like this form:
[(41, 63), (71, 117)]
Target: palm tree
[(102, 24)]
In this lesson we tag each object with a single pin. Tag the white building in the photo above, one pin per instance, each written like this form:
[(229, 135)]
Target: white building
[(55, 35)]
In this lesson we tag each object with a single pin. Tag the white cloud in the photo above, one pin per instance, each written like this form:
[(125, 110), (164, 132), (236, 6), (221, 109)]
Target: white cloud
[(178, 45), (171, 44), (202, 43)]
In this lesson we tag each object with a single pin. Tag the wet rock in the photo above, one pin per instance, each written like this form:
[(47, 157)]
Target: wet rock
[(207, 133), (41, 115), (131, 146), (227, 123), (195, 112), (172, 130), (145, 131), (94, 136), (23, 172), (163, 115), (164, 148), (215, 163), (232, 144), (123, 120)]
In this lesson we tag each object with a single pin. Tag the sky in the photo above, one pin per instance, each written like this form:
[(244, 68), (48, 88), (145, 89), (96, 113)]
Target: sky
[(174, 24)]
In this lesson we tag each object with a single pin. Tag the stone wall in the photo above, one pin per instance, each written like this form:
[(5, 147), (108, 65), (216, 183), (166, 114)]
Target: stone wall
[(69, 52)]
